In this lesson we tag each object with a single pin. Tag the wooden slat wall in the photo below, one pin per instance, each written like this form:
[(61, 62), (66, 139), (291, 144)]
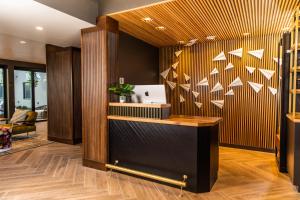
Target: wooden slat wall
[(99, 59), (249, 119)]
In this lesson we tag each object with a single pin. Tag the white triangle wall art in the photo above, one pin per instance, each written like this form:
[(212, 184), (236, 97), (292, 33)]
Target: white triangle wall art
[(257, 53), (218, 103), (255, 86), (214, 71), (198, 104), (267, 73), (181, 98), (186, 77), (217, 87), (186, 87), (230, 93), (175, 65), (250, 69), (196, 94), (165, 73), (175, 75), (191, 42), (237, 52), (220, 57), (278, 60), (236, 82), (229, 66), (171, 84), (273, 90), (203, 82), (177, 53)]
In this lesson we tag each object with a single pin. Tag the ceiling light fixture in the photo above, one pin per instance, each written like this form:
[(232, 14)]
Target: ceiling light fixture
[(39, 28), (286, 29), (147, 19), (23, 42), (211, 37), (181, 42), (160, 28), (246, 34)]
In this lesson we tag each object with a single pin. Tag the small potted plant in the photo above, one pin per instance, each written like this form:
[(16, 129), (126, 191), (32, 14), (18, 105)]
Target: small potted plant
[(122, 90)]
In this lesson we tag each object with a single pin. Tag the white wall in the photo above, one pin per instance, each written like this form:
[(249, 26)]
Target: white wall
[(11, 49)]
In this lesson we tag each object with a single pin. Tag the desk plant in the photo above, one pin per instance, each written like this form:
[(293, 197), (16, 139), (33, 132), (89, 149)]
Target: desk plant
[(122, 90)]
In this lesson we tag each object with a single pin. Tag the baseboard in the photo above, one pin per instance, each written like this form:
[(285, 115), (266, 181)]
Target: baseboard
[(94, 164), (247, 147), (65, 141)]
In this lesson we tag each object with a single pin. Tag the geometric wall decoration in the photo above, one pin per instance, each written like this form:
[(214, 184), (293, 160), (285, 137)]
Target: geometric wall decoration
[(255, 86), (203, 82), (165, 73), (175, 65), (237, 52), (229, 66), (175, 75), (177, 53), (191, 42), (171, 84), (218, 103), (230, 93), (267, 73), (236, 82), (181, 99), (219, 57), (186, 87), (257, 53), (196, 94), (273, 90), (278, 60), (250, 69), (217, 87), (198, 104), (186, 77), (214, 71)]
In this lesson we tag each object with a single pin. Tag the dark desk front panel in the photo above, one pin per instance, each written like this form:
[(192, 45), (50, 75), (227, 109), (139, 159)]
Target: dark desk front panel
[(167, 150)]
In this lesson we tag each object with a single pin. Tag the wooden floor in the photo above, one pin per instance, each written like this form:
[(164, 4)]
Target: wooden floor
[(55, 171)]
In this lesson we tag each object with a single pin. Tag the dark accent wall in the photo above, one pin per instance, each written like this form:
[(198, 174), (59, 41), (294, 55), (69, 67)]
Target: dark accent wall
[(138, 61)]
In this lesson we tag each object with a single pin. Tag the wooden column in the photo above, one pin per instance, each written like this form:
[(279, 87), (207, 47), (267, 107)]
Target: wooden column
[(99, 69)]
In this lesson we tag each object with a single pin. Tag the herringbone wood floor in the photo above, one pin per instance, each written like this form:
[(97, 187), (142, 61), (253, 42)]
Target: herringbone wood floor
[(55, 172)]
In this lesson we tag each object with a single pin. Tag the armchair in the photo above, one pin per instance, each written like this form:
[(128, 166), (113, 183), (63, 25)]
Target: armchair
[(24, 126)]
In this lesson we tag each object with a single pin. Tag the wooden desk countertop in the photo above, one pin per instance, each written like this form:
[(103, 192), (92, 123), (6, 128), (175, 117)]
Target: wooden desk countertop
[(181, 120)]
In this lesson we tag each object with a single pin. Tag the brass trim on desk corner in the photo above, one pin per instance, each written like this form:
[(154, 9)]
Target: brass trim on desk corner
[(148, 175)]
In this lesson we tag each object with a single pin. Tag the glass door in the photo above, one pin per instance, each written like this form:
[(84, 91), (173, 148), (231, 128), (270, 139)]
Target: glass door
[(40, 94), (23, 89), (3, 107)]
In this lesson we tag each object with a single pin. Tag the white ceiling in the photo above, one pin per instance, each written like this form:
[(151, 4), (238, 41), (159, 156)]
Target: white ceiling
[(20, 17)]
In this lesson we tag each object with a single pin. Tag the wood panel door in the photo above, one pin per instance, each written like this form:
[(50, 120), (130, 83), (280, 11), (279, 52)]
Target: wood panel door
[(60, 99)]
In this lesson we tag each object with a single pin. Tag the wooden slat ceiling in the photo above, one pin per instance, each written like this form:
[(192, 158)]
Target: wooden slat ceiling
[(189, 19)]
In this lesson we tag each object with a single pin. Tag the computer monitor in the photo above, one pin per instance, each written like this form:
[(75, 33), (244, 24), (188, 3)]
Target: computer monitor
[(149, 94)]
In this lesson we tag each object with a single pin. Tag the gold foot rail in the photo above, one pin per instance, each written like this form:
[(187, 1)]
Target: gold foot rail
[(148, 175)]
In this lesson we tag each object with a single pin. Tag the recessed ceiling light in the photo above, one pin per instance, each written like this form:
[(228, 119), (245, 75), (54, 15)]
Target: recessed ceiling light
[(246, 34), (286, 29), (211, 37), (160, 28), (23, 42), (147, 19), (39, 28)]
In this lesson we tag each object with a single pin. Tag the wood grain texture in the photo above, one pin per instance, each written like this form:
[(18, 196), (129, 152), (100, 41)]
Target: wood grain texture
[(249, 119), (188, 19), (55, 172), (174, 120), (99, 60), (64, 106)]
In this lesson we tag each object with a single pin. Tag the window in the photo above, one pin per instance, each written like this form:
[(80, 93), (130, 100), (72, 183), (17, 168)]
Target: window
[(27, 90)]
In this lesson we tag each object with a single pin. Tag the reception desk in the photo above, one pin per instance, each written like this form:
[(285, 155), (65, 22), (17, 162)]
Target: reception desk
[(179, 148)]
